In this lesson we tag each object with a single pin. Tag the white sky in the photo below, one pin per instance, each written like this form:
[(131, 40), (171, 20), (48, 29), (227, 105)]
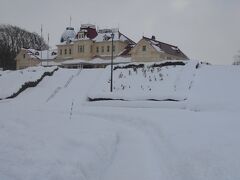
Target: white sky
[(203, 29)]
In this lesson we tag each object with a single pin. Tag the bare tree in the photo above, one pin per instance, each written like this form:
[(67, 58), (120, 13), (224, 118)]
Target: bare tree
[(12, 39)]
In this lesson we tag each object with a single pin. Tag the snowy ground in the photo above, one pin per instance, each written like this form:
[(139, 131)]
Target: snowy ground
[(12, 81), (148, 82), (51, 132)]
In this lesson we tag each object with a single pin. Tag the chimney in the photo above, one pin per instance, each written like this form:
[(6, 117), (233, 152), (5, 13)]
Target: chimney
[(153, 38)]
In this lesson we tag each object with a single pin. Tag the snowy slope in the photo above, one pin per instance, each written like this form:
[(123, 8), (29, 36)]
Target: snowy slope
[(147, 83), (12, 81), (216, 87), (51, 132)]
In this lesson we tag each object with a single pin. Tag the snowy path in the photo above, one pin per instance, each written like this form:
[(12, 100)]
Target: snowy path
[(170, 149)]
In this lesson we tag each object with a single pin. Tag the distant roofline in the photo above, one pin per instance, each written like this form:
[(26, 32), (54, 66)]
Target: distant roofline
[(134, 43), (180, 53), (150, 39)]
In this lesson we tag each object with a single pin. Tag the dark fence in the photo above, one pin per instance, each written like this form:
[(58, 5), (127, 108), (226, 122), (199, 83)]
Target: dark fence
[(135, 66)]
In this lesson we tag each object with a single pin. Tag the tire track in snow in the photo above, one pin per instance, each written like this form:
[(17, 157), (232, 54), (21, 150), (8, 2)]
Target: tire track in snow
[(141, 153), (165, 156)]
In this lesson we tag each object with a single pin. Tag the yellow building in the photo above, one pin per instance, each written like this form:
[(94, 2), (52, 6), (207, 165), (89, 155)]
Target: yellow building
[(91, 47), (91, 44), (31, 57), (150, 50)]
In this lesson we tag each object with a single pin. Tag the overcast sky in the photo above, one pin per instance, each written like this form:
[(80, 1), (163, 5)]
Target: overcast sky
[(207, 30)]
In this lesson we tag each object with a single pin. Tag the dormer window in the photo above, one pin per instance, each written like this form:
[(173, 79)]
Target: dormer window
[(106, 37), (37, 53), (80, 35)]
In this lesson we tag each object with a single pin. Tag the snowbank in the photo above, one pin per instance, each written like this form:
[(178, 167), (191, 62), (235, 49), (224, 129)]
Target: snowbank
[(149, 81)]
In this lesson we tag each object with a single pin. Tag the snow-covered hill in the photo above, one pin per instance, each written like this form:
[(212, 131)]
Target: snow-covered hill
[(152, 81), (52, 132), (12, 81)]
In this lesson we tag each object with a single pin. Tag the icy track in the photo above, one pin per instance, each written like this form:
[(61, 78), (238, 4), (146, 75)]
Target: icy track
[(50, 132)]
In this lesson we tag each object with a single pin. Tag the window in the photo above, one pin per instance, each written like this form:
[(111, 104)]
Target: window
[(144, 48), (65, 51), (60, 51), (80, 35), (78, 48), (83, 48), (108, 48), (24, 55), (70, 51), (102, 48), (97, 49)]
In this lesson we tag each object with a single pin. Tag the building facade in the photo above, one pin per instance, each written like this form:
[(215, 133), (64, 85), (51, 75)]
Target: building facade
[(150, 50), (92, 47), (31, 57), (90, 43)]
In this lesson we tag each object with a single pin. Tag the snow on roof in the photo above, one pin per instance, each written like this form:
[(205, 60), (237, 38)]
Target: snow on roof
[(88, 26), (157, 48), (106, 35), (70, 41), (50, 63), (97, 61), (42, 55), (164, 47)]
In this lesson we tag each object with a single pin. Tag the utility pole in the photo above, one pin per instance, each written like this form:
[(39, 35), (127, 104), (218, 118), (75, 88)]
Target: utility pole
[(48, 50), (111, 86), (41, 43)]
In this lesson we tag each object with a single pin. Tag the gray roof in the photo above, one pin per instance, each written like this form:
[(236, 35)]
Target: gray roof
[(167, 48)]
